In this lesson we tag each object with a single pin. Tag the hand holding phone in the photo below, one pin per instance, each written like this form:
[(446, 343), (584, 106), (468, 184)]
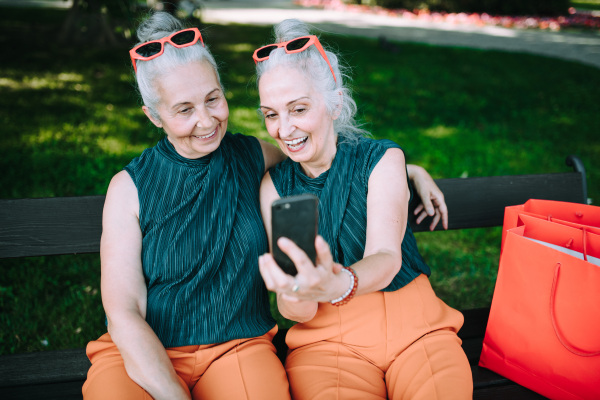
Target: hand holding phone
[(296, 218)]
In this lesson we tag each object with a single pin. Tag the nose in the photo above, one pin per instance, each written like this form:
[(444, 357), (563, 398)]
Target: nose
[(204, 119), (286, 127)]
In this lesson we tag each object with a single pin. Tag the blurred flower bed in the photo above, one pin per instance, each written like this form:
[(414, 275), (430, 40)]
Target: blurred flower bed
[(581, 20)]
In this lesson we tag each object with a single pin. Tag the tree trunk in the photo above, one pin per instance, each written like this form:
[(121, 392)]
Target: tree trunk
[(87, 22)]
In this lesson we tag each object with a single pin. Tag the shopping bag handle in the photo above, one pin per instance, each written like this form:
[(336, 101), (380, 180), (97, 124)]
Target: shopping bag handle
[(559, 335)]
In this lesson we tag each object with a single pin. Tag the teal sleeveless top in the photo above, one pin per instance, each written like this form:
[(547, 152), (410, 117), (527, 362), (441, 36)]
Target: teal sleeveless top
[(202, 235), (342, 192)]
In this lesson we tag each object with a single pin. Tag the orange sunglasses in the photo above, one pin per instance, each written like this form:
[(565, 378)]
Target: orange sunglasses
[(154, 48), (296, 45)]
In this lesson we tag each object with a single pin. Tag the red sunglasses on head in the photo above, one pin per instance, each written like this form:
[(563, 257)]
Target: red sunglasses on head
[(296, 45), (154, 48)]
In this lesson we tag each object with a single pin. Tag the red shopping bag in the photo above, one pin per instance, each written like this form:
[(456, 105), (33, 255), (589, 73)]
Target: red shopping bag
[(544, 326), (573, 214)]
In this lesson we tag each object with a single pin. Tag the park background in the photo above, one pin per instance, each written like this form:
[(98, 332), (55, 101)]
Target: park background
[(70, 119)]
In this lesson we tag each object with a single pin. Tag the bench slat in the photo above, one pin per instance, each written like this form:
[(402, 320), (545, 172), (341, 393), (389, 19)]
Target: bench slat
[(49, 391), (476, 320), (69, 370), (49, 226), (480, 202), (24, 369), (512, 392)]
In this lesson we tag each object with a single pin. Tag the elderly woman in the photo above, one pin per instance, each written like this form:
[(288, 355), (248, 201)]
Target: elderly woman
[(370, 325), (187, 311)]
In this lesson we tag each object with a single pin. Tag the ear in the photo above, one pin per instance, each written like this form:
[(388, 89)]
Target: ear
[(338, 107), (151, 118)]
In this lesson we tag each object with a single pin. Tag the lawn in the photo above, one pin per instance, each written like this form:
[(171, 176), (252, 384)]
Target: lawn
[(71, 119)]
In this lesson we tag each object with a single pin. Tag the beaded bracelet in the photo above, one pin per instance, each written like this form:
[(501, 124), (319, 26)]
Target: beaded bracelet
[(346, 297)]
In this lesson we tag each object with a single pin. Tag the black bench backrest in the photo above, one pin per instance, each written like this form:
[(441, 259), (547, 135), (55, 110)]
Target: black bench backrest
[(72, 225), (480, 202)]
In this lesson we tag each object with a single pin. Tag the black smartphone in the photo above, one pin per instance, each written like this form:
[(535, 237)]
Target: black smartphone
[(296, 218)]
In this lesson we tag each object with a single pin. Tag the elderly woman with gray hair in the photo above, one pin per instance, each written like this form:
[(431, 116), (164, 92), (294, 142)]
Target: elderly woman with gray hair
[(369, 324), (188, 314)]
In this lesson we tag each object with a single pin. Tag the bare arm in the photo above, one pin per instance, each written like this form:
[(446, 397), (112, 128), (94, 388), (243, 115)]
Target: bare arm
[(124, 294)]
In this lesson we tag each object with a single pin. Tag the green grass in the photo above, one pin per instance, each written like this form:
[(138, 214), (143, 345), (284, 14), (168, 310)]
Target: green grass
[(71, 119), (586, 4)]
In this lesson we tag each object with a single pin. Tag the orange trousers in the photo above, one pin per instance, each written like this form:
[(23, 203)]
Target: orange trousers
[(396, 345), (239, 369)]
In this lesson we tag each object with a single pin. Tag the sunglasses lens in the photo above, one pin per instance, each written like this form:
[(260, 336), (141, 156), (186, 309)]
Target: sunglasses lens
[(265, 51), (149, 49), (297, 44), (183, 37)]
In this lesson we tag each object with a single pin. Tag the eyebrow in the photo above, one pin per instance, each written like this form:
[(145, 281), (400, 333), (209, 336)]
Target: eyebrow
[(181, 103), (288, 103)]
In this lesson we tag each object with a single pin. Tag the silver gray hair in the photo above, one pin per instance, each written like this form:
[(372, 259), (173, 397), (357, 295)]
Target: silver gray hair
[(157, 26), (311, 63)]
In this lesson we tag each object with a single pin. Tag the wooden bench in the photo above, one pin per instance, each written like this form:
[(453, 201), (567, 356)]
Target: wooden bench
[(72, 225)]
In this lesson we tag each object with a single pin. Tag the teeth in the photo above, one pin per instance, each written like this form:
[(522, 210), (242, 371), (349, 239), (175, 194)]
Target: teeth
[(207, 136), (295, 141)]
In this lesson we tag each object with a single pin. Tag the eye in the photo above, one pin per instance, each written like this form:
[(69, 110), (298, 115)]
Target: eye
[(299, 110), (185, 110), (269, 114), (213, 98)]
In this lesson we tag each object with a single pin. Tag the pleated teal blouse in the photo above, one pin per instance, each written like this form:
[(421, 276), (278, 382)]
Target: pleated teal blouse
[(202, 236), (342, 192)]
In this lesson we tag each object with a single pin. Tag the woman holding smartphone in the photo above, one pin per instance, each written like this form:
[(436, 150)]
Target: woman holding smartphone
[(370, 325)]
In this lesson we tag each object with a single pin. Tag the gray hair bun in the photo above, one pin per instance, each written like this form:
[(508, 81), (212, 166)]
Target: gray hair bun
[(290, 29), (158, 25)]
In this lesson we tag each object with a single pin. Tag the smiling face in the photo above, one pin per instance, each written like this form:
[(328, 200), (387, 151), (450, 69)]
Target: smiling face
[(296, 116), (193, 110)]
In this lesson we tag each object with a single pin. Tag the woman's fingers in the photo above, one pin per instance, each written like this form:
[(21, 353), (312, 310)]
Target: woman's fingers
[(324, 256), (441, 206), (418, 208), (438, 211), (290, 298), (436, 219), (296, 254), (275, 279)]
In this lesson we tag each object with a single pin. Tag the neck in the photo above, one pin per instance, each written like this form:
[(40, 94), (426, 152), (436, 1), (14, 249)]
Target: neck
[(316, 167)]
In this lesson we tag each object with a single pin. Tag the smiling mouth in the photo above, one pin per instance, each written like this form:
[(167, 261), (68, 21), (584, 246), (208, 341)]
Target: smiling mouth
[(296, 144), (210, 135)]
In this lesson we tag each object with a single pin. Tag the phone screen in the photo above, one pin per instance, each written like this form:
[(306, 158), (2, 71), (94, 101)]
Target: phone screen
[(296, 218)]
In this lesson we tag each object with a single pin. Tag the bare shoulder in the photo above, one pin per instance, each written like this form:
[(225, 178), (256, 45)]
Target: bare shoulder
[(391, 165), (121, 182), (122, 195), (394, 156), (271, 154), (268, 193), (266, 186)]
